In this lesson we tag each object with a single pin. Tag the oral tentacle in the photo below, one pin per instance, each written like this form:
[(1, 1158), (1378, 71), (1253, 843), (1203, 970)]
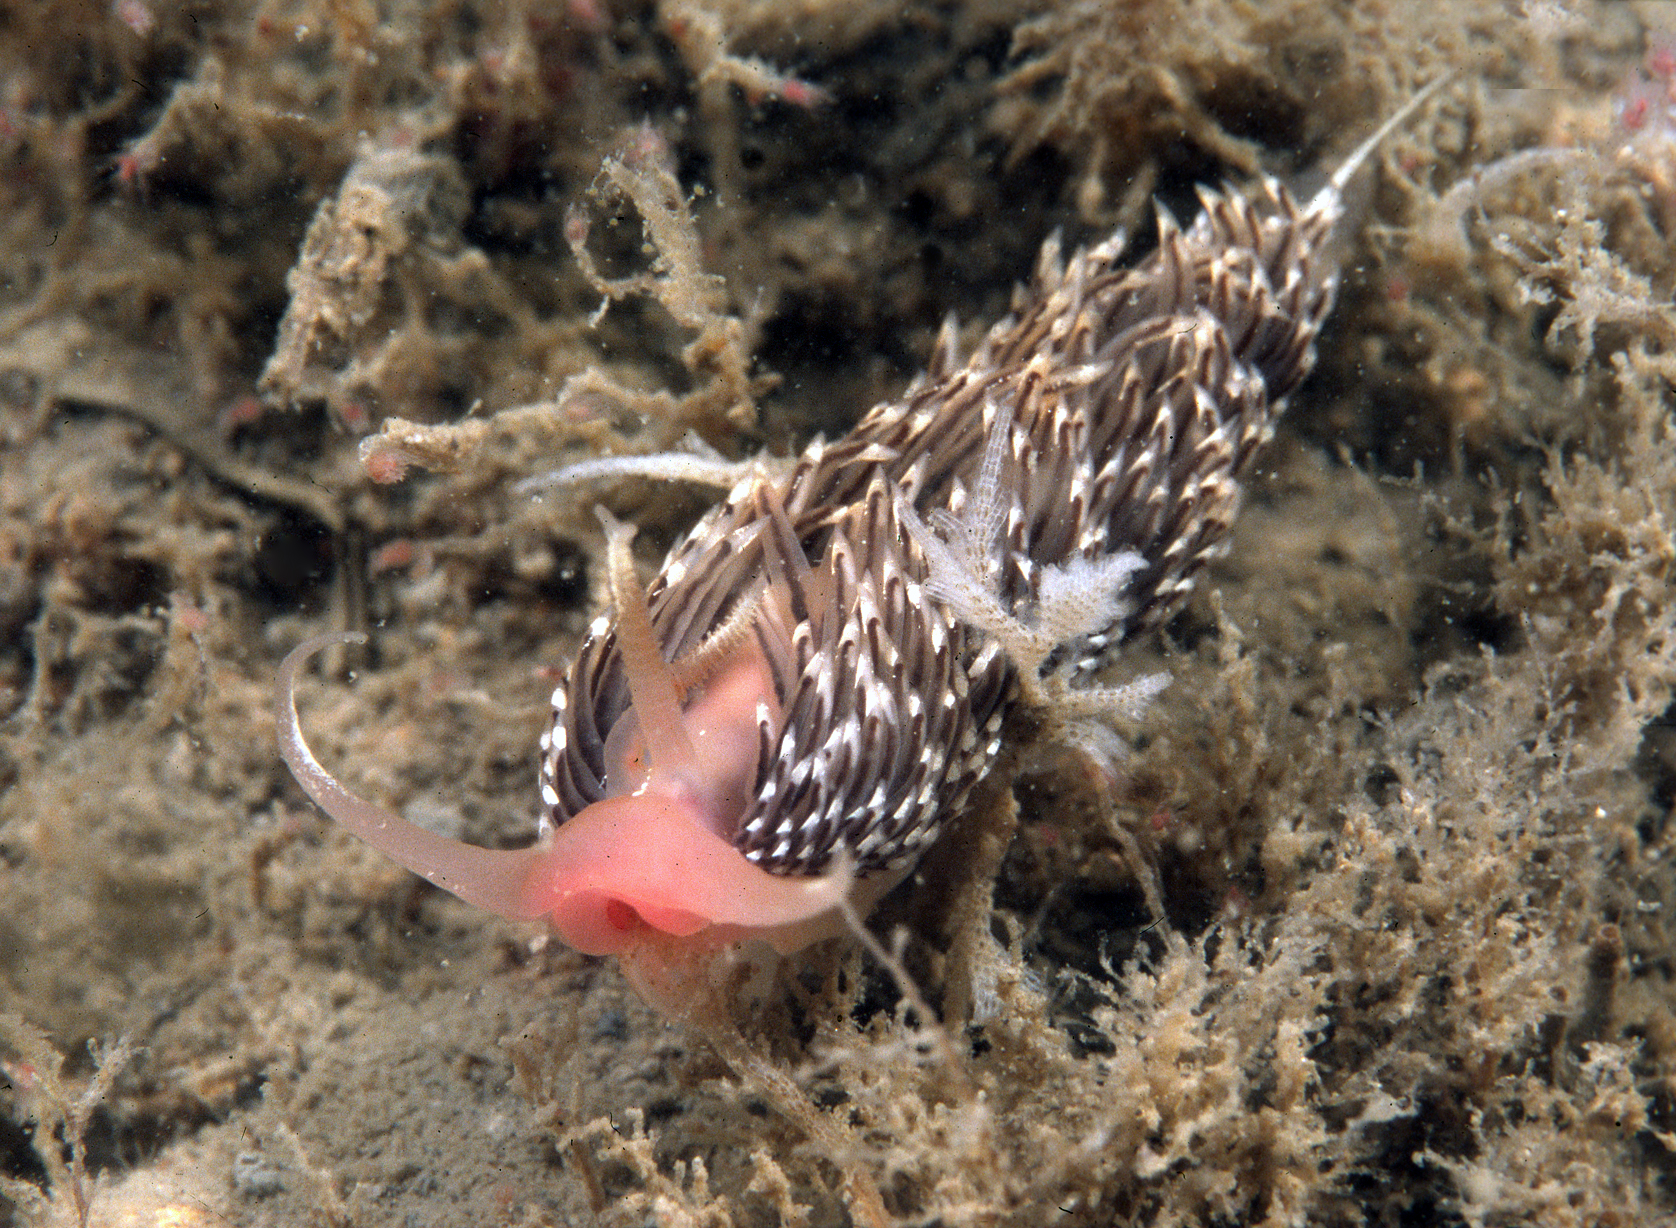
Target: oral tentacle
[(492, 879)]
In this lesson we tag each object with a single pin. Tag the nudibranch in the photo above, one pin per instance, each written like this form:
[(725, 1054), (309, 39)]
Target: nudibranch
[(818, 676)]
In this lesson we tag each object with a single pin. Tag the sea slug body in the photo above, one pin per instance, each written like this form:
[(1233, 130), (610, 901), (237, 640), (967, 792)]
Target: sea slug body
[(818, 676)]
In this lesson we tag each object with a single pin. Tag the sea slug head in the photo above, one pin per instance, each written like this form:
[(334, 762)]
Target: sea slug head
[(651, 860), (650, 866), (656, 855)]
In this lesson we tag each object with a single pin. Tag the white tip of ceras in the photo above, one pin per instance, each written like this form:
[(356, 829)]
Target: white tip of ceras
[(945, 352)]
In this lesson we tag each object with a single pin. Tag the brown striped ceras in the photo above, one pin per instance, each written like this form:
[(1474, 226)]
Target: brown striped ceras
[(817, 677)]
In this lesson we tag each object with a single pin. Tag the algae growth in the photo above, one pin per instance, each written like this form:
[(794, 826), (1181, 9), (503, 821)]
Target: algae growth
[(1407, 800)]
